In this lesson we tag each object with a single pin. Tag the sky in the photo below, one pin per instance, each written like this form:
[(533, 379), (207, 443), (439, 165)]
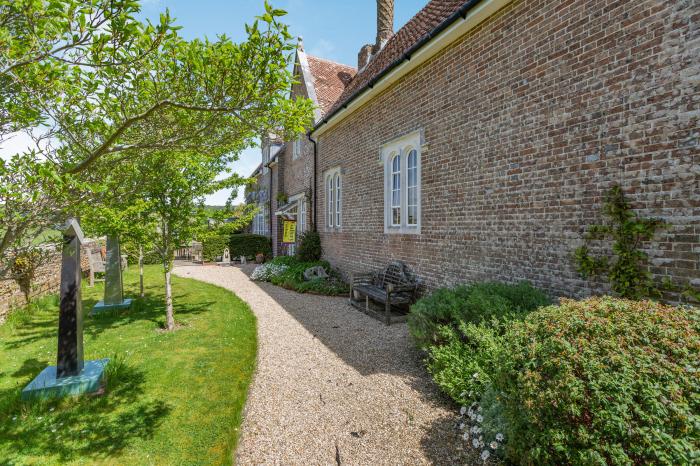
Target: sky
[(332, 29)]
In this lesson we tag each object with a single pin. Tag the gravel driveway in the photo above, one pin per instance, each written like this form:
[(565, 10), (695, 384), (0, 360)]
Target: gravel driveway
[(334, 386)]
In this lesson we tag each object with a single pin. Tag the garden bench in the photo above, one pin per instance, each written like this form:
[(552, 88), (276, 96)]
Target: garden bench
[(97, 265), (394, 286)]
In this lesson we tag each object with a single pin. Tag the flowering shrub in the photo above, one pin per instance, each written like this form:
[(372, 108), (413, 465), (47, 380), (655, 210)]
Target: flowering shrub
[(482, 302), (482, 427), (602, 381), (288, 272), (266, 272)]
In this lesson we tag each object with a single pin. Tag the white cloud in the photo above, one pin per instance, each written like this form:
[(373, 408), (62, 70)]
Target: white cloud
[(15, 144)]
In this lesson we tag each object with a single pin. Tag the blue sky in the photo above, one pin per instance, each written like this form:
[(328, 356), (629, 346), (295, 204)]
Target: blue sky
[(331, 29)]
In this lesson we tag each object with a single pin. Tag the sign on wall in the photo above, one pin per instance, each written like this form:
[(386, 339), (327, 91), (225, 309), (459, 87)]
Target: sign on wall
[(289, 232)]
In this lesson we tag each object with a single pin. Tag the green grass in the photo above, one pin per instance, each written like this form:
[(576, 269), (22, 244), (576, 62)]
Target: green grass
[(171, 398)]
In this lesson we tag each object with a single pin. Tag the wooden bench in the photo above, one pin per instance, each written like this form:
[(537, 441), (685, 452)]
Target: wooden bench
[(97, 265), (393, 286)]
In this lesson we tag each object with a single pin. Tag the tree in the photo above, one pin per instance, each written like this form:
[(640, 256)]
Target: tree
[(104, 89), (175, 184)]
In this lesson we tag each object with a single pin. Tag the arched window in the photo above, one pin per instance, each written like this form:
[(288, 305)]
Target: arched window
[(402, 184), (396, 190), (338, 199), (412, 187)]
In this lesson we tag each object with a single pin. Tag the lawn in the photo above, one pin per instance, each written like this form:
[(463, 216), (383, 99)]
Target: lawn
[(171, 398)]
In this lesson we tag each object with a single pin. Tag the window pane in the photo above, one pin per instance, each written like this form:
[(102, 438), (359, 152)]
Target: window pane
[(338, 199), (329, 215)]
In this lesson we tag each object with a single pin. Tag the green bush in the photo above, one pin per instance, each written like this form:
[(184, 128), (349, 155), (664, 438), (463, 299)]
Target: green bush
[(482, 302), (310, 247), (463, 365), (213, 246), (249, 245), (602, 381)]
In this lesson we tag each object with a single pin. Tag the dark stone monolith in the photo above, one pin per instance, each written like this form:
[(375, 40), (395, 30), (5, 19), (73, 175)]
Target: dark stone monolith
[(70, 320)]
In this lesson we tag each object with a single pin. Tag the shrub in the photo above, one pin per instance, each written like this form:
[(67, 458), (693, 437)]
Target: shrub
[(602, 381), (482, 302), (288, 272), (249, 245), (213, 246), (310, 247), (463, 365)]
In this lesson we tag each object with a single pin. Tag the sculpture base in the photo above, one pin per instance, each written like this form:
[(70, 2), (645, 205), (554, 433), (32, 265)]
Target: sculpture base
[(102, 307), (46, 385)]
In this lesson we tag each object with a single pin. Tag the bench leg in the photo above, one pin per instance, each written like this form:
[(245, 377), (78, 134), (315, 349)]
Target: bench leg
[(388, 312)]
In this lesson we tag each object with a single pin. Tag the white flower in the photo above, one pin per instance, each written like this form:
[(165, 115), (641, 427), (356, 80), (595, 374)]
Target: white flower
[(499, 437), (480, 418), (493, 445), (475, 443), (14, 419), (462, 394), (465, 436), (485, 455), (476, 375), (462, 410), (461, 426), (479, 408), (472, 415)]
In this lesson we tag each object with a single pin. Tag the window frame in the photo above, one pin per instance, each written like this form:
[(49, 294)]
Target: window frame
[(296, 148), (334, 199), (402, 147)]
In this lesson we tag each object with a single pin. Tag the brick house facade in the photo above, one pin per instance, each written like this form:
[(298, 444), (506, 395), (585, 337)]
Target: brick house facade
[(477, 142), (287, 168)]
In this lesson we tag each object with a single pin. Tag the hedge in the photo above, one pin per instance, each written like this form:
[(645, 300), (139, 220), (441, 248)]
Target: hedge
[(249, 245), (213, 247)]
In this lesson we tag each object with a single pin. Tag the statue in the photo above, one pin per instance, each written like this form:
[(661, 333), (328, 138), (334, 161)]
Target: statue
[(114, 287), (71, 375)]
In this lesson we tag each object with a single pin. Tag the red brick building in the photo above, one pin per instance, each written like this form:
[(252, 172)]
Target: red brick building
[(478, 141)]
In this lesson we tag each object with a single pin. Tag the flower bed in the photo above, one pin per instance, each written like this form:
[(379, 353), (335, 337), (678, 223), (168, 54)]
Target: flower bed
[(288, 272)]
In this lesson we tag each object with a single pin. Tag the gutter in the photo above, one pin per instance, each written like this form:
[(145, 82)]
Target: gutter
[(469, 18), (313, 188)]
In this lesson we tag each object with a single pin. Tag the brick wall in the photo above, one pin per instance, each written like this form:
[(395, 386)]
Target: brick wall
[(528, 121)]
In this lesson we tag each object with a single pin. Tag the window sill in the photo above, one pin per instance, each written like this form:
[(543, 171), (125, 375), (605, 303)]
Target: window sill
[(402, 230)]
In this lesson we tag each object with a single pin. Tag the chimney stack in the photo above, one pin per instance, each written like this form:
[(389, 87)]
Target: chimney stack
[(385, 29), (385, 23)]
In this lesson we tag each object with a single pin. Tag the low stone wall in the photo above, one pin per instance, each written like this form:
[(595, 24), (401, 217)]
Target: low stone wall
[(47, 280)]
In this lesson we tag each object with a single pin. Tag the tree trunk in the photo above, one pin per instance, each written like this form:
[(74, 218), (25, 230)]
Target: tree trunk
[(141, 270), (170, 318)]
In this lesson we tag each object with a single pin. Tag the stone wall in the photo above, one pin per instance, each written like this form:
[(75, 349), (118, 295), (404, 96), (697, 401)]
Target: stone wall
[(47, 280), (528, 120)]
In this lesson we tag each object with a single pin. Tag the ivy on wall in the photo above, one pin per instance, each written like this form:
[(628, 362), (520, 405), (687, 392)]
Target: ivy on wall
[(625, 265)]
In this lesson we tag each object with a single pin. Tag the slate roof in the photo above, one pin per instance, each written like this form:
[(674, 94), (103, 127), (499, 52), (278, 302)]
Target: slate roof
[(427, 20), (330, 79)]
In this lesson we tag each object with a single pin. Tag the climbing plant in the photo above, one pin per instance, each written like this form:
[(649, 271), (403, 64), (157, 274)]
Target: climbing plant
[(625, 264)]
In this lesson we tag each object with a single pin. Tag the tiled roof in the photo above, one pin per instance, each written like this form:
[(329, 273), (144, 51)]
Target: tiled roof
[(425, 21), (330, 79)]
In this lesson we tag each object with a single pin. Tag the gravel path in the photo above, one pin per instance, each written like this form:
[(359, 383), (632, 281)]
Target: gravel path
[(334, 386)]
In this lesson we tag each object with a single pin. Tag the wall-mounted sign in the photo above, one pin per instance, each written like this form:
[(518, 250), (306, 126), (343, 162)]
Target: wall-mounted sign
[(289, 232)]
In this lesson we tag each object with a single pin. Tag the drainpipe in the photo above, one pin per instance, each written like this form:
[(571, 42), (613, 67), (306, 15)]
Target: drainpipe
[(313, 188)]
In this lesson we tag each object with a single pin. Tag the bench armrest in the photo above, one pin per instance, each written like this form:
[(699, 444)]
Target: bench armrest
[(391, 289)]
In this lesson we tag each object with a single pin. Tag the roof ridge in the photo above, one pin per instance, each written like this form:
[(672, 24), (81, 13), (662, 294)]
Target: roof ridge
[(330, 61)]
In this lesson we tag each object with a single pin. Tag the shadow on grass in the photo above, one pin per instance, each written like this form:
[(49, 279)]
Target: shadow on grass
[(150, 308), (88, 427)]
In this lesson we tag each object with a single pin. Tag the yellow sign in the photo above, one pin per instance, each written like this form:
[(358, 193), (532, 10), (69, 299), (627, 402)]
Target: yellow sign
[(289, 232)]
